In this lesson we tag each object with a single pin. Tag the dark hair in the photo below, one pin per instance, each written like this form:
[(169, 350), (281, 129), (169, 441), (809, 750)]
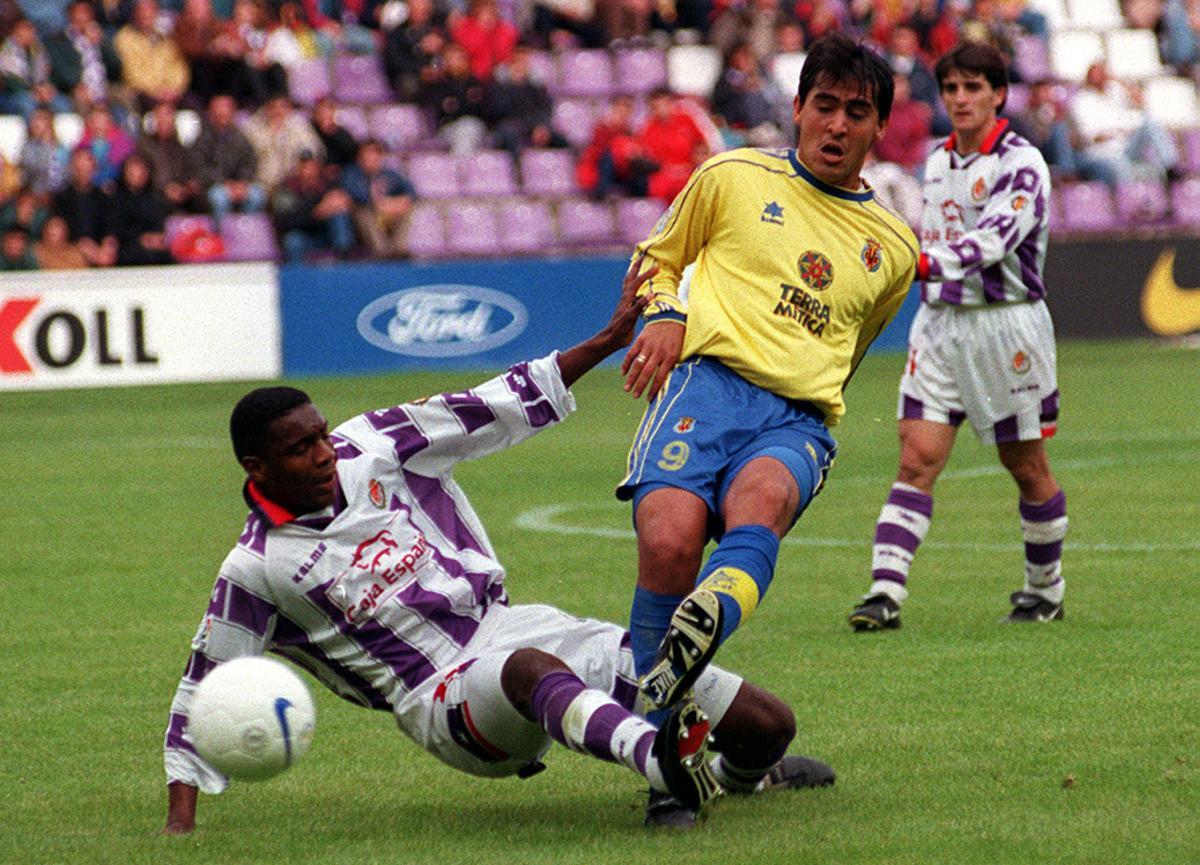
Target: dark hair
[(252, 417), (974, 58), (838, 59)]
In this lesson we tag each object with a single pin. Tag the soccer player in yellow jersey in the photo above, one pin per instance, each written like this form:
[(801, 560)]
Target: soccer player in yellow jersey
[(797, 269)]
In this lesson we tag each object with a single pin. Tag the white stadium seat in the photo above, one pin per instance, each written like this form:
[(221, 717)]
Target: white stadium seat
[(785, 72), (1133, 54), (1055, 12), (693, 69), (1172, 102), (69, 129), (1096, 14), (187, 124), (12, 137), (1073, 51)]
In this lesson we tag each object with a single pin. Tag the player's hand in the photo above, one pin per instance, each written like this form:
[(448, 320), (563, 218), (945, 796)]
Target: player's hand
[(630, 306), (652, 357)]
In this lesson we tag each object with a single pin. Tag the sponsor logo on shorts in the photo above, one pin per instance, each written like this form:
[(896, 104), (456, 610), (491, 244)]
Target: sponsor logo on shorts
[(685, 424), (1021, 363), (375, 493), (979, 190), (816, 271), (872, 255)]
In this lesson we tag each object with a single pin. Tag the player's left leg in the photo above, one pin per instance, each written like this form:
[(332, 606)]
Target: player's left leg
[(1043, 509)]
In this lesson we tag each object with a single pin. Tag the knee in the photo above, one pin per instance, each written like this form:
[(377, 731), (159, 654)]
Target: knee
[(671, 555), (521, 674), (1027, 470), (757, 728)]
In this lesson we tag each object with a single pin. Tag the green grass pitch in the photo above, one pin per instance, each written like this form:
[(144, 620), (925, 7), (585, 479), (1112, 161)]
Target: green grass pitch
[(956, 739)]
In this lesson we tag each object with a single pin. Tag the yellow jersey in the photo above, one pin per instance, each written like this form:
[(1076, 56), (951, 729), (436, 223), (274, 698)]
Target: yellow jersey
[(794, 278)]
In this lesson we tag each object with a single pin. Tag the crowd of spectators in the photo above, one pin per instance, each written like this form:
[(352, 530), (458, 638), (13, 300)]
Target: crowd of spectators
[(127, 67)]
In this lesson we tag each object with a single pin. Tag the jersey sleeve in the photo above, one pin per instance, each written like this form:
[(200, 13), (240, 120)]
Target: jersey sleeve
[(238, 622), (675, 242), (431, 436), (1017, 206)]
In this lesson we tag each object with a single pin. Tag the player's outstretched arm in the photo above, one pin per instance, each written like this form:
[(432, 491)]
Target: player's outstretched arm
[(181, 809), (617, 334)]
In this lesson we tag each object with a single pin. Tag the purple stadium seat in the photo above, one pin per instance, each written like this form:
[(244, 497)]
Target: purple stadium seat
[(180, 223), (586, 223), (586, 72), (1088, 207), (249, 237), (636, 218), (359, 79), (427, 231), (575, 119), (488, 172), (354, 120), (1191, 150), (435, 175), (1018, 98), (640, 70), (472, 228), (1142, 202), (1185, 202), (398, 126), (543, 68), (526, 227), (1031, 58), (308, 81), (547, 172)]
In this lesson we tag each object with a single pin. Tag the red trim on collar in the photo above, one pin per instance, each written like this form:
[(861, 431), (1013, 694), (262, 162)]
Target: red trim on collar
[(277, 515), (989, 143)]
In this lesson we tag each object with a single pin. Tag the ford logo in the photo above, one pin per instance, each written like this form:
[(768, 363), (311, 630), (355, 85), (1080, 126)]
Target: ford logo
[(442, 320)]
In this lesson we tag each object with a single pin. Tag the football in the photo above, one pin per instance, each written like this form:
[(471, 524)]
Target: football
[(251, 718)]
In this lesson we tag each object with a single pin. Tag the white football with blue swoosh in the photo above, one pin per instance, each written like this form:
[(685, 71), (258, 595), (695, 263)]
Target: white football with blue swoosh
[(251, 718)]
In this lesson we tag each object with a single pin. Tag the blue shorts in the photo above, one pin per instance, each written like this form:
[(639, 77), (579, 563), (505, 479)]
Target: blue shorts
[(708, 422)]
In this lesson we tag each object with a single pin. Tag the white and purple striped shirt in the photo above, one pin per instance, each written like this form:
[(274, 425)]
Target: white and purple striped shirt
[(986, 222), (389, 583)]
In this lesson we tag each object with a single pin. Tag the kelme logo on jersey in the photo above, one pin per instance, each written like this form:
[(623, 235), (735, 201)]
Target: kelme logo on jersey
[(1021, 363), (685, 424), (772, 213), (816, 271), (979, 190), (375, 493), (871, 255), (442, 320)]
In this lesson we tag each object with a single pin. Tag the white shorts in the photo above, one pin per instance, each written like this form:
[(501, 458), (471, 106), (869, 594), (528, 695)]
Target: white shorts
[(461, 716), (995, 366)]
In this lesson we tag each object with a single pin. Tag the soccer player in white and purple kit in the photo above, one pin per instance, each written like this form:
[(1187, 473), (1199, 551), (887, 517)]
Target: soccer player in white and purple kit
[(982, 346), (363, 562)]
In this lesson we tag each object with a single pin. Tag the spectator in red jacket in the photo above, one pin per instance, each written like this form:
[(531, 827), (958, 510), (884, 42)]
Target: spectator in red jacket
[(486, 37), (906, 140), (673, 140), (614, 159)]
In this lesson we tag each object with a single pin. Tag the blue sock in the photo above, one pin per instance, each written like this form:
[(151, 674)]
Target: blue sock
[(739, 571), (648, 620)]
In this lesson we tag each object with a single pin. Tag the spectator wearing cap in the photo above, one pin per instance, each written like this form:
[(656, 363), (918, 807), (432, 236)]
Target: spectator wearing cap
[(311, 214), (383, 201), (225, 164)]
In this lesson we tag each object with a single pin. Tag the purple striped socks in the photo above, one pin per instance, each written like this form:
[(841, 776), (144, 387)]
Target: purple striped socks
[(1044, 526), (591, 722), (903, 524)]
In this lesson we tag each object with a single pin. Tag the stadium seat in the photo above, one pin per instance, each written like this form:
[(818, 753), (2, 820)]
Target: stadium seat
[(180, 223), (1087, 207), (588, 224), (1055, 11), (309, 82), (543, 68), (1185, 202), (526, 227), (1017, 99), (1031, 58), (694, 69), (575, 119), (249, 237), (187, 126), (1190, 150), (435, 175), (487, 173), (1172, 102), (1142, 202), (636, 218), (12, 137), (785, 71), (640, 70), (398, 126), (585, 72), (1095, 14), (472, 228), (427, 231), (1133, 54), (547, 172), (69, 129), (1073, 51), (353, 118), (359, 79)]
